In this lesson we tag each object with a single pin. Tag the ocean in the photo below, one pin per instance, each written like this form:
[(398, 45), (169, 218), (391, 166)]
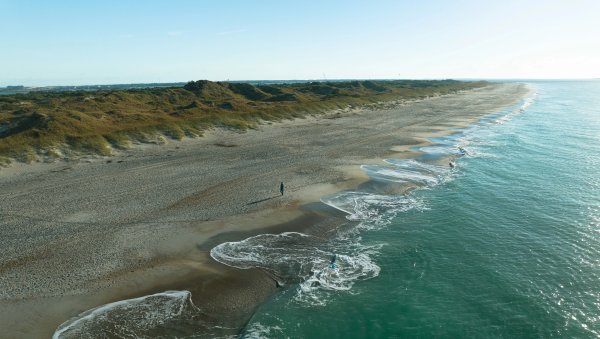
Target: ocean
[(504, 244)]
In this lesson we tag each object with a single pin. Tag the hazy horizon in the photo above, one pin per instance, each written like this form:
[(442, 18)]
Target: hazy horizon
[(98, 43), (301, 80)]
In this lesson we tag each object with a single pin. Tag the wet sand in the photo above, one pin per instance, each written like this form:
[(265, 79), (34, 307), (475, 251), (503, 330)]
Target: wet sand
[(79, 234)]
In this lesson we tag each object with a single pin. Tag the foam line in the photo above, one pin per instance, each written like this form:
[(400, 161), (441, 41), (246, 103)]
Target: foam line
[(163, 310)]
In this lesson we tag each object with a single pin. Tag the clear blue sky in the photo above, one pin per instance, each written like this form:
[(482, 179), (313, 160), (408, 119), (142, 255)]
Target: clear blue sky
[(98, 42)]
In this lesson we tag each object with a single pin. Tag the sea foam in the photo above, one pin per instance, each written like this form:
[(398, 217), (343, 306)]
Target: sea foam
[(133, 318), (299, 258)]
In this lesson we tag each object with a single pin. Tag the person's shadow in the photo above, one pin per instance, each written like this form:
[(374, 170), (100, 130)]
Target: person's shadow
[(261, 200)]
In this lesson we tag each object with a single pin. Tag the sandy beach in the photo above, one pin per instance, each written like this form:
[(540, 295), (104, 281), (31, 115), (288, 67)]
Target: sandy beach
[(78, 234)]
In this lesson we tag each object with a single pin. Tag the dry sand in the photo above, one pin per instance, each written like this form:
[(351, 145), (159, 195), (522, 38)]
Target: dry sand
[(75, 235)]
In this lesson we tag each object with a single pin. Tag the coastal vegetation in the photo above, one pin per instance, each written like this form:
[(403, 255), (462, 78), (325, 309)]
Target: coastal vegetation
[(56, 124)]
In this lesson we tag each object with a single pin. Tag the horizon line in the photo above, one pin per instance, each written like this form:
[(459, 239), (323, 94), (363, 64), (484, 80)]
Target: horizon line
[(310, 79)]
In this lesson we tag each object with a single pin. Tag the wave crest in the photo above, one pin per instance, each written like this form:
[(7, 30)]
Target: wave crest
[(142, 317)]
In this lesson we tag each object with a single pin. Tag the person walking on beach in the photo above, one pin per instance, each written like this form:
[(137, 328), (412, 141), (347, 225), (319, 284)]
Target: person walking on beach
[(281, 188)]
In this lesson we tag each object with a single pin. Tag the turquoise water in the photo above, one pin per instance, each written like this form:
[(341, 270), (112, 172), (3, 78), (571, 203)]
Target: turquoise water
[(505, 245)]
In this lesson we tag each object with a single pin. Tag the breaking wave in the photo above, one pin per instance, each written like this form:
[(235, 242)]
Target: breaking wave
[(167, 312), (370, 207), (398, 175), (299, 258)]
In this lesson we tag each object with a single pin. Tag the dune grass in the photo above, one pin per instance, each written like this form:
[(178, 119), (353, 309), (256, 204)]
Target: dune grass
[(52, 124)]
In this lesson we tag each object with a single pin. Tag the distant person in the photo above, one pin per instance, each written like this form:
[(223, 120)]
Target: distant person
[(281, 188), (451, 164), (333, 263)]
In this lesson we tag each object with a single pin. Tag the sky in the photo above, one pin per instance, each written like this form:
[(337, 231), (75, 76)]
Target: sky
[(66, 42)]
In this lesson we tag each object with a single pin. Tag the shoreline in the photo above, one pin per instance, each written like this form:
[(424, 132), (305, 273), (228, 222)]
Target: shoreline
[(57, 125), (182, 260)]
